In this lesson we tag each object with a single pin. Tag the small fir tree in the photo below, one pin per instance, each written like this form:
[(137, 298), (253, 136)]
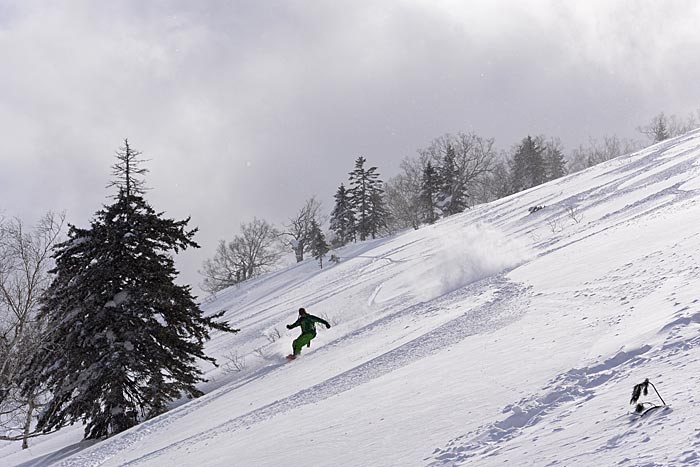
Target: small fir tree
[(554, 160), (430, 187), (659, 129), (452, 188), (319, 246), (123, 338)]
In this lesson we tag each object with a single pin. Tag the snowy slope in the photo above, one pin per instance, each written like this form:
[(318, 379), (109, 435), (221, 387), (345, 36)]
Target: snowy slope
[(494, 336)]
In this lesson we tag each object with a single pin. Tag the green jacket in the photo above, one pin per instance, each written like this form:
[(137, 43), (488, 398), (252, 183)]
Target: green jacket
[(308, 324)]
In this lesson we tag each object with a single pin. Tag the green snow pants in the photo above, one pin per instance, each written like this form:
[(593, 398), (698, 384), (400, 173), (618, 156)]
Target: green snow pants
[(301, 341)]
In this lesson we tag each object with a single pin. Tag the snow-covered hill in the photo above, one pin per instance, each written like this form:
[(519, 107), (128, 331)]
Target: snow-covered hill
[(493, 336)]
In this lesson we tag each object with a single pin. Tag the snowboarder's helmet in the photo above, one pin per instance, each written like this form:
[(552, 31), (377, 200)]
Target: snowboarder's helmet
[(302, 312)]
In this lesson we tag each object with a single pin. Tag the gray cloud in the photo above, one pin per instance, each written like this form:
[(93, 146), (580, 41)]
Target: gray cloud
[(247, 108)]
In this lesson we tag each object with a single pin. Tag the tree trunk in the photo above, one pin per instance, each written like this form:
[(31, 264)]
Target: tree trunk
[(28, 421), (299, 252)]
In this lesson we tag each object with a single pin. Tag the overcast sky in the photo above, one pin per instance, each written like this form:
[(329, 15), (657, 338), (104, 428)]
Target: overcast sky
[(247, 108)]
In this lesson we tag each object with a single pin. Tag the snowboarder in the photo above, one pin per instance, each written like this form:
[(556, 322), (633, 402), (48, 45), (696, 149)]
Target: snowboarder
[(308, 331)]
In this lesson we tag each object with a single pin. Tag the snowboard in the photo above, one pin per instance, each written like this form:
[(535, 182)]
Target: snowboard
[(291, 357)]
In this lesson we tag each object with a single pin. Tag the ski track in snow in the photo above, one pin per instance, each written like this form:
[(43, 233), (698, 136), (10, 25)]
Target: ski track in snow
[(570, 391), (575, 385), (346, 278), (503, 309)]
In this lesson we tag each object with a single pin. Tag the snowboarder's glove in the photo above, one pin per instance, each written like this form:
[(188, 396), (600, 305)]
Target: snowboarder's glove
[(289, 326), (328, 326)]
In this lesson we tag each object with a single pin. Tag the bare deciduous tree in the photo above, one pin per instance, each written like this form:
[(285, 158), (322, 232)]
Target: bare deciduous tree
[(254, 251), (273, 335), (234, 363), (574, 213), (25, 259), (499, 184), (403, 196), (555, 225), (300, 228)]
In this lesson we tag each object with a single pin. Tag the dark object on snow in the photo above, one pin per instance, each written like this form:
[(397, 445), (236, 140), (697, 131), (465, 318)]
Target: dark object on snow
[(643, 388), (307, 323), (535, 208)]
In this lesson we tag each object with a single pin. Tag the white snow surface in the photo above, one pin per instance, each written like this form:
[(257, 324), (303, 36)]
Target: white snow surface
[(492, 337)]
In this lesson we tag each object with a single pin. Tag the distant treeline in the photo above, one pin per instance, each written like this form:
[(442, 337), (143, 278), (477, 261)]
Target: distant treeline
[(452, 173)]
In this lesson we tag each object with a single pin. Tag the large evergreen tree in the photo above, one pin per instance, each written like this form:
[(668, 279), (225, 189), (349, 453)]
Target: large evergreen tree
[(123, 338)]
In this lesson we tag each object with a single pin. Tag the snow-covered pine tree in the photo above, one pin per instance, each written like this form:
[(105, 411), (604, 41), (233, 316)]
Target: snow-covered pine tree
[(366, 200), (342, 217), (122, 338), (319, 246), (430, 189)]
